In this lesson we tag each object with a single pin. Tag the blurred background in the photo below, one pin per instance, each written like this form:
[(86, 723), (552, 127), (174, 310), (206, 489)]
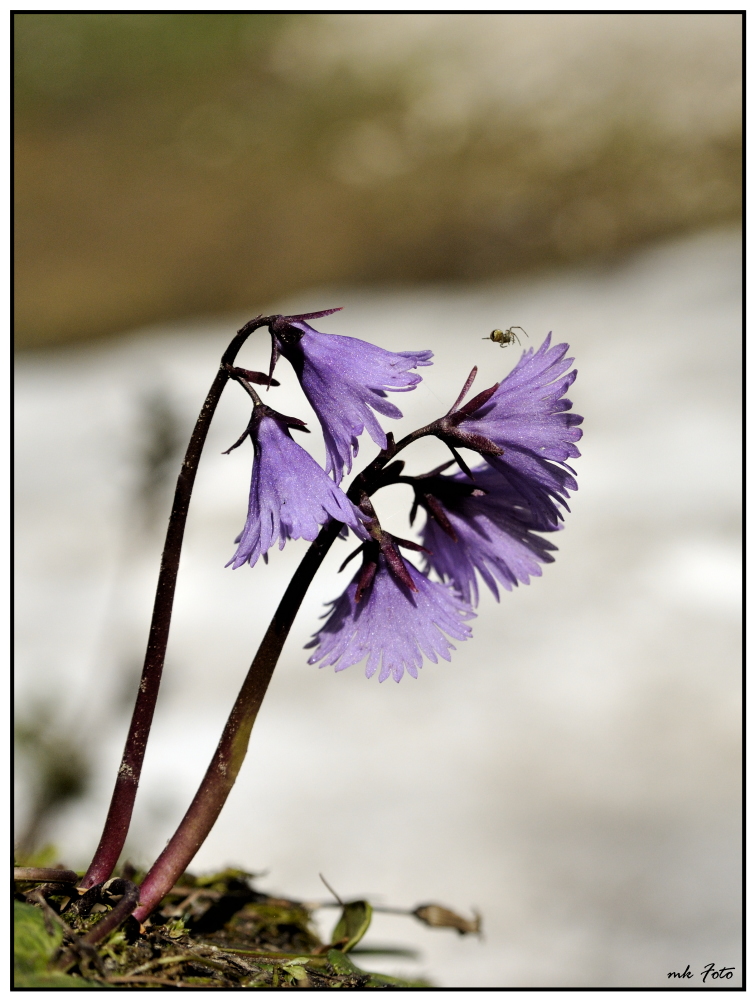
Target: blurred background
[(170, 165), (574, 773)]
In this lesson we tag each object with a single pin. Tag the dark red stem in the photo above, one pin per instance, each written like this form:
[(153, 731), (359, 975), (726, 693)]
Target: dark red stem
[(122, 803), (229, 756)]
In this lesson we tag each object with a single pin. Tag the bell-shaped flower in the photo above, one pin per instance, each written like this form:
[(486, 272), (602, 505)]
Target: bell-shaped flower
[(522, 427), (482, 527), (344, 379), (381, 618), (290, 495)]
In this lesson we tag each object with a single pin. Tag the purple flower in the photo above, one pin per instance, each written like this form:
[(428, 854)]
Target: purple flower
[(391, 625), (344, 379), (490, 532), (527, 420), (290, 496)]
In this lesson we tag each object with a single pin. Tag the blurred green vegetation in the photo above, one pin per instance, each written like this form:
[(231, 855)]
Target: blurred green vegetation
[(169, 165), (66, 62), (60, 771)]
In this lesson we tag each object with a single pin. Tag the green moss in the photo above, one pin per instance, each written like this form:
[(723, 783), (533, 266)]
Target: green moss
[(268, 942)]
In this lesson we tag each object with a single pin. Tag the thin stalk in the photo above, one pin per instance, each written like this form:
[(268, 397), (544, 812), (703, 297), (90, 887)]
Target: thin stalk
[(126, 784), (44, 875), (368, 480), (229, 756)]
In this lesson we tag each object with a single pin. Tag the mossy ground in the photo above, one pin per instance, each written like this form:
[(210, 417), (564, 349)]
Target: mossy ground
[(214, 932)]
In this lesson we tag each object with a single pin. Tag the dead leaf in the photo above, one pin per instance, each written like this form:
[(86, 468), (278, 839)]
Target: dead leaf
[(438, 916)]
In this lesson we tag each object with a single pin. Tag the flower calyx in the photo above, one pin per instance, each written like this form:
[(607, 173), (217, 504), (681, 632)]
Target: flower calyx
[(261, 411), (448, 428), (432, 491), (288, 330), (381, 543)]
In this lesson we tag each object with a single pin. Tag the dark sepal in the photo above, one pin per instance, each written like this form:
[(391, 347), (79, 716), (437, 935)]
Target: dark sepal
[(432, 489), (391, 473), (465, 389), (294, 423), (259, 378), (415, 506), (390, 446), (315, 315), (274, 355), (477, 442), (348, 558), (447, 488), (283, 328), (436, 509), (447, 429), (474, 404), (396, 564), (407, 544), (366, 576), (247, 433), (383, 542), (457, 437), (460, 461)]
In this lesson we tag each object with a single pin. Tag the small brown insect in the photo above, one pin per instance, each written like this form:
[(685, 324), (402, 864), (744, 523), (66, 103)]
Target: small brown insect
[(506, 337)]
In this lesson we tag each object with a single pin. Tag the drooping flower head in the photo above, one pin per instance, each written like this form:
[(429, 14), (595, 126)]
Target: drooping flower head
[(483, 522), (528, 430), (290, 495), (483, 526), (379, 617), (344, 379)]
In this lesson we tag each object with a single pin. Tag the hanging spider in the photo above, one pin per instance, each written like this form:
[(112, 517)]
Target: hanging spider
[(505, 337)]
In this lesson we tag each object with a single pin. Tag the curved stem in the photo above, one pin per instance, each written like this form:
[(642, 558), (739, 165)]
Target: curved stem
[(122, 802), (229, 756), (368, 480)]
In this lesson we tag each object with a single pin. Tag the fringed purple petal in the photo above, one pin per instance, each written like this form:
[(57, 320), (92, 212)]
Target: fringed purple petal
[(495, 537), (290, 495), (391, 626), (528, 418), (345, 379)]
